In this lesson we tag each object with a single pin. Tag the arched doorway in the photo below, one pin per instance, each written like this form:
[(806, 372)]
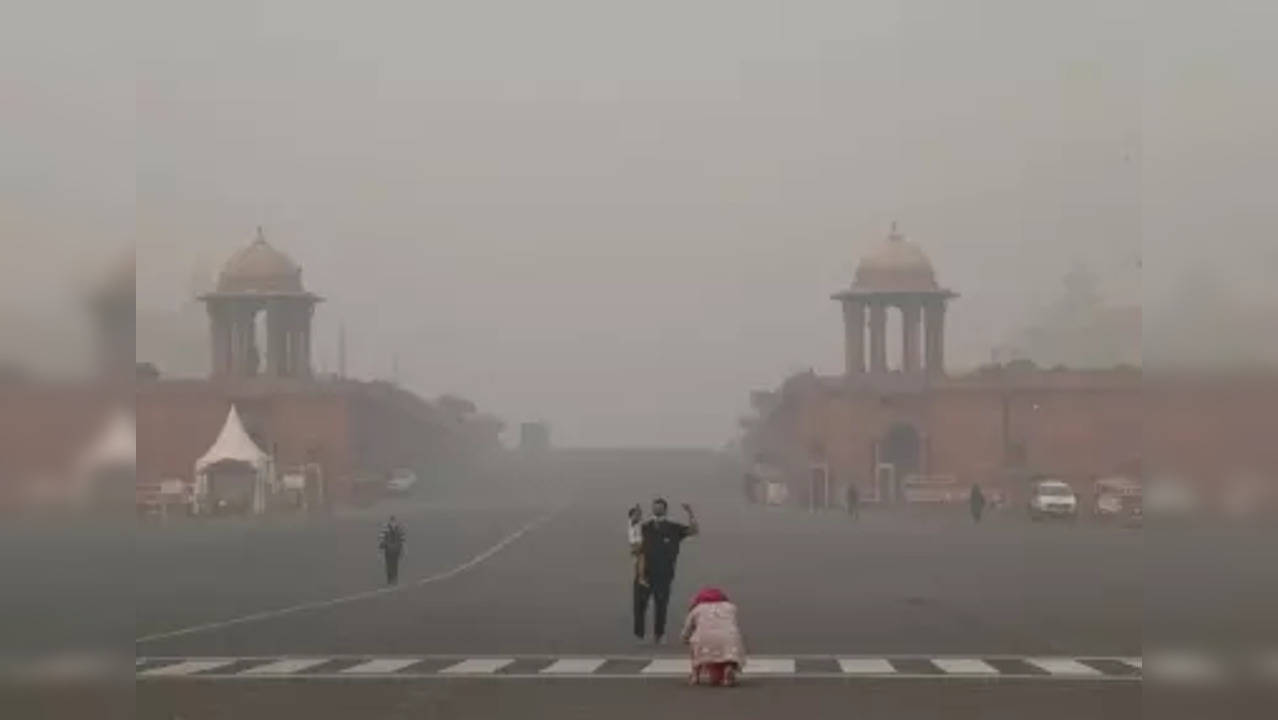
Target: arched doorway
[(900, 453)]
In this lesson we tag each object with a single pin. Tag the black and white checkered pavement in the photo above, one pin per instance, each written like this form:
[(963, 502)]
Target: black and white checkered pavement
[(638, 667)]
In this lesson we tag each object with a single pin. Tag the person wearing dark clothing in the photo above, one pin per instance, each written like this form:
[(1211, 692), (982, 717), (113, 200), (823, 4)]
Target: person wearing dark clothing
[(853, 500), (661, 540), (391, 543), (976, 501)]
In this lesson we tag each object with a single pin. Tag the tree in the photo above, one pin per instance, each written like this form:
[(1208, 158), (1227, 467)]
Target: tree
[(456, 407), (483, 431), (1078, 329)]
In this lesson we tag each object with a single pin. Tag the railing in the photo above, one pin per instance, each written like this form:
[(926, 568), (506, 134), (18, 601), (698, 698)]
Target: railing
[(164, 492)]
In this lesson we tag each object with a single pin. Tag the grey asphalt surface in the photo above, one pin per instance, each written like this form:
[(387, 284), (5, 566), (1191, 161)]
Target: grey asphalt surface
[(891, 583), (622, 700)]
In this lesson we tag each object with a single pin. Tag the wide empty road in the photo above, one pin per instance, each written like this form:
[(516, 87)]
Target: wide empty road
[(515, 595)]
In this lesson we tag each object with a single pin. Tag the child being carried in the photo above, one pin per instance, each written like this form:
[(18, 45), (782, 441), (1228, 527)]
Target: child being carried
[(634, 532)]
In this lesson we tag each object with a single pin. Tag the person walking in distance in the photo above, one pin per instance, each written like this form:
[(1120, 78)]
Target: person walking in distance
[(976, 502), (661, 541), (853, 500), (392, 544)]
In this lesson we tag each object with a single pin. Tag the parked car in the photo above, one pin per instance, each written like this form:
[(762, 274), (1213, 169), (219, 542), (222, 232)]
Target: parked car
[(402, 481), (1053, 499), (1119, 499)]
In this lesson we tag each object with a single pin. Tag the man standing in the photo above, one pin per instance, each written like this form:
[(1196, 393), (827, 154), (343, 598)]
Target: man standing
[(392, 544), (976, 501), (853, 499), (661, 540)]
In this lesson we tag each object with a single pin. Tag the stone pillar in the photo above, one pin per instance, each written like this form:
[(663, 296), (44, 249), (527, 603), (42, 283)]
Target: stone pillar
[(275, 330), (306, 314), (243, 343), (854, 337), (910, 317), (878, 337), (288, 345), (935, 323), (237, 360), (295, 348), (252, 353), (219, 339)]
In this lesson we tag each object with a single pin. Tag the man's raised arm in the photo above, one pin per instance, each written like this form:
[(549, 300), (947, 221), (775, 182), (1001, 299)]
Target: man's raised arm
[(693, 527)]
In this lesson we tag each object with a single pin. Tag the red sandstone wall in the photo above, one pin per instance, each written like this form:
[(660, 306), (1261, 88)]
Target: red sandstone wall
[(174, 428), (1208, 431), (178, 421), (348, 428), (1073, 425), (966, 438), (44, 429)]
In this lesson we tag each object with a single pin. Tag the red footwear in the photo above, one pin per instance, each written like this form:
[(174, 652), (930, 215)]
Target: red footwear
[(716, 672)]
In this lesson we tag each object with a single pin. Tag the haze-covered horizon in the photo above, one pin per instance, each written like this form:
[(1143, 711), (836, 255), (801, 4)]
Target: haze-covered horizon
[(622, 218)]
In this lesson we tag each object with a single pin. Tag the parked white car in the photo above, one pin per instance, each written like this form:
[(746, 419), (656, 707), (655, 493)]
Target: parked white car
[(1053, 499), (1118, 499)]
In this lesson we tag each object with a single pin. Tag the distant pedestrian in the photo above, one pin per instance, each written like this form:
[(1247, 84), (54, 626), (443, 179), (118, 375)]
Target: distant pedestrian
[(853, 500), (714, 638), (391, 543), (661, 540), (976, 502)]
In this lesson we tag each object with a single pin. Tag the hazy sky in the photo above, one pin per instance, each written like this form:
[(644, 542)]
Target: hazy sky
[(623, 216)]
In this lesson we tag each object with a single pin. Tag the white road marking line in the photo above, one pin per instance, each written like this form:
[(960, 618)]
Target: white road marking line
[(769, 666), (365, 667), (573, 666), (381, 666), (1063, 666), (866, 666), (187, 667), (964, 666), (287, 666), (1137, 663), (477, 666), (268, 614), (668, 666)]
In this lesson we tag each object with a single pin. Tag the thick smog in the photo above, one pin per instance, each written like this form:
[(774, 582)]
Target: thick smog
[(580, 359)]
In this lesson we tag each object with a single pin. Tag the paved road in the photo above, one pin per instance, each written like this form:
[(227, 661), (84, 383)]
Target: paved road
[(529, 566), (622, 700), (806, 584)]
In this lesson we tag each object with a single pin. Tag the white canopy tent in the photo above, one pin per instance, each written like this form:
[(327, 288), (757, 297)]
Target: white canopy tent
[(233, 444)]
